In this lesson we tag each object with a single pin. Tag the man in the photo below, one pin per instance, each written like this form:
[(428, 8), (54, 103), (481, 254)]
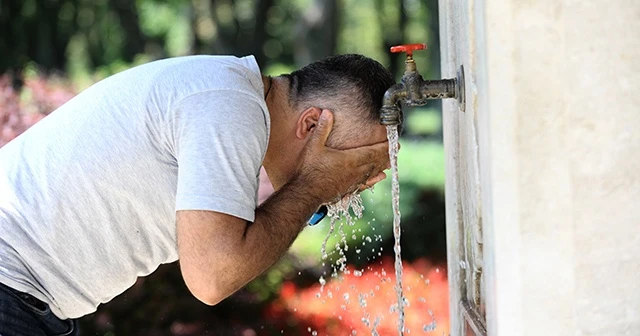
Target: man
[(161, 162)]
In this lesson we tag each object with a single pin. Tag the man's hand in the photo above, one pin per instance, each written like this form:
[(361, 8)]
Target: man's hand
[(332, 173)]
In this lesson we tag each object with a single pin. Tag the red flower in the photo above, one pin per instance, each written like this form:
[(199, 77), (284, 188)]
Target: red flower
[(363, 300)]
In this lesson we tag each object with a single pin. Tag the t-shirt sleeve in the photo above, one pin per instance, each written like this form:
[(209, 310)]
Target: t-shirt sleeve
[(220, 138)]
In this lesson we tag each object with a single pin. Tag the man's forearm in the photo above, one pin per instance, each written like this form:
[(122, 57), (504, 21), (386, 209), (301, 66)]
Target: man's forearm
[(278, 222)]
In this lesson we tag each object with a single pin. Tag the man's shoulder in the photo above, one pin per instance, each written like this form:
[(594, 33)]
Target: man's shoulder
[(219, 71), (190, 75)]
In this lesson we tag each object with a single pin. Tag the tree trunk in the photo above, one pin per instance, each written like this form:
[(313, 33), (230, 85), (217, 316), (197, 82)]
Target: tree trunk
[(317, 32), (134, 40), (226, 33), (389, 40), (259, 35)]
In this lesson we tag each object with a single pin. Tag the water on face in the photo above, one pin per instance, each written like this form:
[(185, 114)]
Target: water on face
[(392, 136)]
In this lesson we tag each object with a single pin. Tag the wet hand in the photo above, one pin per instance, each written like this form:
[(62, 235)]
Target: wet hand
[(372, 181), (331, 173)]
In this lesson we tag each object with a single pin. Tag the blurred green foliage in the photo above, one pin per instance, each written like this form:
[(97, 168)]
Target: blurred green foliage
[(87, 40), (81, 37)]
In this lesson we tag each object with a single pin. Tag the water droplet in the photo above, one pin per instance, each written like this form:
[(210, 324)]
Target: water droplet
[(429, 327), (362, 300), (374, 332)]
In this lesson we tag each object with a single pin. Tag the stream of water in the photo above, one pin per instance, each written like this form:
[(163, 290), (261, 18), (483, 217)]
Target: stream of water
[(392, 136)]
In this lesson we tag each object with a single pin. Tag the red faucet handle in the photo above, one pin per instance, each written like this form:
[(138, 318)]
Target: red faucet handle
[(408, 48)]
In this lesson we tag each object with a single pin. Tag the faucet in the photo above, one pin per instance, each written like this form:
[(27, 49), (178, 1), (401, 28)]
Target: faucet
[(413, 90)]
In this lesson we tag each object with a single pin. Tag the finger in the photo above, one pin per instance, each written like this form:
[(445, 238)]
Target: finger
[(369, 174), (371, 171), (325, 124), (377, 154), (373, 180)]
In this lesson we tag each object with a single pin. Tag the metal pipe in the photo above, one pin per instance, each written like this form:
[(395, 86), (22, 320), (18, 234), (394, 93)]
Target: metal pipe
[(438, 89), (413, 90)]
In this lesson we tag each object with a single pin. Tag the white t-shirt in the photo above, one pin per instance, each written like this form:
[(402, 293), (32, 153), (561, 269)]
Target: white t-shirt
[(88, 195)]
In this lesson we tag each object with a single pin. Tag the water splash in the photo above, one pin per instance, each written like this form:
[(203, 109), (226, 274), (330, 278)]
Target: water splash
[(431, 326), (344, 208), (323, 249), (392, 136)]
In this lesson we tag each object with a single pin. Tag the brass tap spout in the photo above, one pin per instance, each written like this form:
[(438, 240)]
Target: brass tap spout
[(413, 90), (391, 113)]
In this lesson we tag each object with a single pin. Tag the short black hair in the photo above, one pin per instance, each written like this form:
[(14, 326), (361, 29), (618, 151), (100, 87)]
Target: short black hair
[(349, 81)]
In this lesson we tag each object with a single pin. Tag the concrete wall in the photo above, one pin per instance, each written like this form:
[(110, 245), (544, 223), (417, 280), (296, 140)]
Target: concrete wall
[(543, 169)]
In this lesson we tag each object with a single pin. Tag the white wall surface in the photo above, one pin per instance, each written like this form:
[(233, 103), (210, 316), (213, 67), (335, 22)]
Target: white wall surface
[(548, 157)]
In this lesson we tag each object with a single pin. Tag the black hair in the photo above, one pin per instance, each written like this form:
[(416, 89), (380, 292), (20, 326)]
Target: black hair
[(351, 82)]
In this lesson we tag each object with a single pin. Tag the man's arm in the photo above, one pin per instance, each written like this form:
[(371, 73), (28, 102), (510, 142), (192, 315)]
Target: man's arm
[(219, 253)]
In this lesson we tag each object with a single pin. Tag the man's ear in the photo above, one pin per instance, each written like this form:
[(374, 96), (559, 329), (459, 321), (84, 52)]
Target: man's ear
[(307, 121)]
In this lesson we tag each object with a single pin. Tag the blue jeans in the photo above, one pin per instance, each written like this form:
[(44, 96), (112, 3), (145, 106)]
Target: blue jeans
[(23, 315)]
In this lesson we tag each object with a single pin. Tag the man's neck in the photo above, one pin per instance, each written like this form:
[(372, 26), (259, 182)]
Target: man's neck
[(281, 152)]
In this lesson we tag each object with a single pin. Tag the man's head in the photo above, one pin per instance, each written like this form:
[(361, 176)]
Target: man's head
[(352, 87)]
